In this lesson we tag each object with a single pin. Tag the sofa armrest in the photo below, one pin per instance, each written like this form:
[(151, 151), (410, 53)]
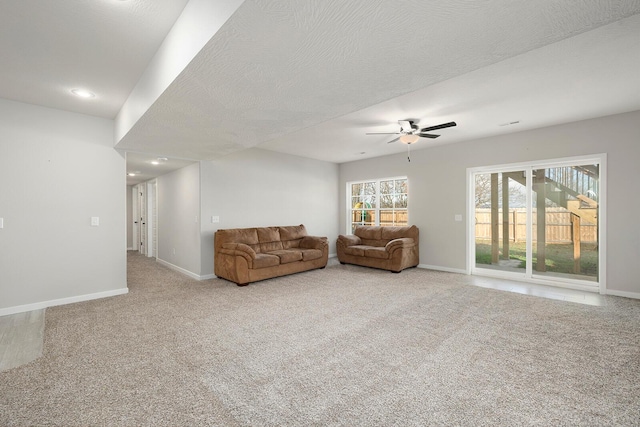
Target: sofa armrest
[(348, 240), (395, 244), (239, 249), (313, 242)]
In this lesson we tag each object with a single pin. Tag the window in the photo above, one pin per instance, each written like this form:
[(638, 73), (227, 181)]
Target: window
[(378, 202)]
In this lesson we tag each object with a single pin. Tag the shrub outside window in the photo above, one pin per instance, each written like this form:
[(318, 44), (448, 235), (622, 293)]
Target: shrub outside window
[(378, 202)]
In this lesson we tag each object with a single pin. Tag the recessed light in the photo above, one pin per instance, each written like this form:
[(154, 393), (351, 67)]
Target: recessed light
[(131, 174), (82, 93), (155, 162)]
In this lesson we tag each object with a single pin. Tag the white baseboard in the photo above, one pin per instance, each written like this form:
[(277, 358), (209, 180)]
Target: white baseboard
[(62, 301), (130, 248), (446, 269), (185, 271), (634, 295)]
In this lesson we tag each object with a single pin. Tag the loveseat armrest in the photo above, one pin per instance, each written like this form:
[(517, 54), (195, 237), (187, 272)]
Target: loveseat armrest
[(313, 242), (348, 240), (395, 244), (239, 249)]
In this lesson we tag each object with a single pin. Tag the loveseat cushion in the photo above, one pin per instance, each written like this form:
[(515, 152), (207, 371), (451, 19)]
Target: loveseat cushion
[(397, 232), (355, 250), (371, 236), (287, 255), (377, 252)]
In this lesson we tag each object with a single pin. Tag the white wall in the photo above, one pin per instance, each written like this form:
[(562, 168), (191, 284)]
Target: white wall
[(57, 170), (257, 188), (179, 219), (437, 187)]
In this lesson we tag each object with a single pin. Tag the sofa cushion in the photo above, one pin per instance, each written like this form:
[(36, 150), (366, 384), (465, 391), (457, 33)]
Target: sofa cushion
[(248, 236), (291, 235), (309, 254), (287, 255), (265, 260), (269, 238)]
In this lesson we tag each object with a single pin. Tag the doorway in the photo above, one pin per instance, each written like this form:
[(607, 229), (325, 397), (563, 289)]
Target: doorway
[(541, 222)]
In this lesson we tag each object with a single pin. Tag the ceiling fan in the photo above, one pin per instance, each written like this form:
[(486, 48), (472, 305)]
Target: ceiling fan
[(410, 133)]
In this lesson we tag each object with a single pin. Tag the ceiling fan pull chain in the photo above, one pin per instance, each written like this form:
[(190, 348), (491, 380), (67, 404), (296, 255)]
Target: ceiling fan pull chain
[(409, 153)]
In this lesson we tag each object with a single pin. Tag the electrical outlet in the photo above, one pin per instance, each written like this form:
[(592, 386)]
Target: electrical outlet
[(215, 219), (95, 221), (458, 218)]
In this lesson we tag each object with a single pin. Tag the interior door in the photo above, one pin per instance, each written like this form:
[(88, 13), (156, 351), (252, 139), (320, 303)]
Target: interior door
[(142, 214)]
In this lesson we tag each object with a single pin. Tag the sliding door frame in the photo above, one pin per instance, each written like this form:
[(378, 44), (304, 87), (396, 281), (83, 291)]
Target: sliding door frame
[(529, 275)]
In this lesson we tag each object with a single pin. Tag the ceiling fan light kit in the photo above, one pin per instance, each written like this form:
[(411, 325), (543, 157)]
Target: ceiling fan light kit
[(409, 139)]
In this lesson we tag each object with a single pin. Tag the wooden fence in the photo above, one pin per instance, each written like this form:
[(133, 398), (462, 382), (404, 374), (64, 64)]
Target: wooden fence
[(386, 217), (558, 226)]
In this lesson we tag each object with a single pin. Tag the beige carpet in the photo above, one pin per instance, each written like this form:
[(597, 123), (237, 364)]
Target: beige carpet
[(341, 346)]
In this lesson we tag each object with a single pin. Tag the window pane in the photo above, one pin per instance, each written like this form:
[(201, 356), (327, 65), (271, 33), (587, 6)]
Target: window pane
[(386, 187), (386, 201), (565, 217), (386, 217), (393, 217), (500, 215), (355, 202), (401, 201), (370, 188), (356, 189), (401, 186)]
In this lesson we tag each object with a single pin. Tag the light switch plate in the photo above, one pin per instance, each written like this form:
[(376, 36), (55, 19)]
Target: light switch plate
[(95, 221), (1, 222)]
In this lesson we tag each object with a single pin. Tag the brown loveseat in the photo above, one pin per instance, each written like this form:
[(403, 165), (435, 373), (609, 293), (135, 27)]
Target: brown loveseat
[(245, 255), (389, 248)]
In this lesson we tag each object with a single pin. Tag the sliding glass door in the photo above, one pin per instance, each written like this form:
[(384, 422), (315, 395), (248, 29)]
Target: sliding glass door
[(539, 222)]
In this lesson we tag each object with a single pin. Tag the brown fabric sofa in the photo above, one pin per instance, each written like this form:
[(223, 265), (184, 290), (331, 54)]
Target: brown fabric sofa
[(245, 255), (388, 248)]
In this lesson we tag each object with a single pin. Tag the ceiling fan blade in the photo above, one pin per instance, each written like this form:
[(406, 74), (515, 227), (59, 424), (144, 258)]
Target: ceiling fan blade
[(393, 140), (442, 126), (382, 133), (427, 135)]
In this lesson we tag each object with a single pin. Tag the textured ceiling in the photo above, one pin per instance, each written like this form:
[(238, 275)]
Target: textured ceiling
[(310, 78), (50, 47), (280, 70)]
